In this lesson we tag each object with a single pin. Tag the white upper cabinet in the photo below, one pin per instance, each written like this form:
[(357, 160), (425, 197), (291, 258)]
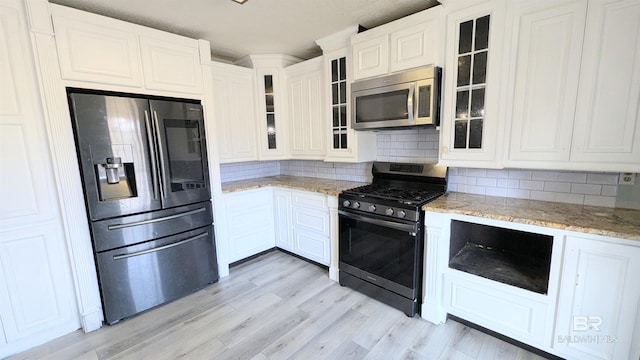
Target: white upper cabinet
[(101, 50), (91, 48), (370, 55), (606, 130), (343, 143), (545, 64), (171, 65), (574, 85), (234, 113), (406, 43), (271, 103), (471, 125), (305, 90)]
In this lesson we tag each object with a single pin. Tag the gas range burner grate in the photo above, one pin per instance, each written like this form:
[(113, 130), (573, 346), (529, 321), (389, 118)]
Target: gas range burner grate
[(402, 195)]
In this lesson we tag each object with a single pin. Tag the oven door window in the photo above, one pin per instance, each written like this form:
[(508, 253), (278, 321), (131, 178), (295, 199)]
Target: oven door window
[(390, 253)]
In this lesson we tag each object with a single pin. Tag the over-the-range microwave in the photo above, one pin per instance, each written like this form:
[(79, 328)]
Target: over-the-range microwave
[(409, 98)]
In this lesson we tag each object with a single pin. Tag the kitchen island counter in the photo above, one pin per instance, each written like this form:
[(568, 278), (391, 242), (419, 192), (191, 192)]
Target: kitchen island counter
[(613, 222), (323, 186)]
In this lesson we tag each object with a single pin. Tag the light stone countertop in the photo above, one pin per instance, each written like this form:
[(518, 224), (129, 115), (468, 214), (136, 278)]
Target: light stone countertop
[(323, 186), (613, 222)]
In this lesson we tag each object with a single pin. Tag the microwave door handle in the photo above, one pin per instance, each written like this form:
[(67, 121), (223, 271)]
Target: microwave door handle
[(152, 152), (410, 104), (163, 173)]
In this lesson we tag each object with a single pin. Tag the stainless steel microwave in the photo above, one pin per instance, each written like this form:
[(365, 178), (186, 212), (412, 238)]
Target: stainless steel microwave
[(410, 98)]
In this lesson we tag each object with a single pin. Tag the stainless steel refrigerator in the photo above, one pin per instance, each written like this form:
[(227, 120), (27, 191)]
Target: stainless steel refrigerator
[(143, 163)]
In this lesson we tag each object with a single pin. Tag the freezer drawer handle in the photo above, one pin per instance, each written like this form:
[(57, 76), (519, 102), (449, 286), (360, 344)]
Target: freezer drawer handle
[(124, 256), (150, 221)]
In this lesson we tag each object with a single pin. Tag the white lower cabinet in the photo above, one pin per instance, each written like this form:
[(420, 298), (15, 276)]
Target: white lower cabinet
[(590, 311), (250, 225), (506, 310), (598, 302), (282, 216), (303, 224)]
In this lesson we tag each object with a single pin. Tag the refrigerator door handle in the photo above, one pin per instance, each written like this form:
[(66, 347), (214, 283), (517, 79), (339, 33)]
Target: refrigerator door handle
[(137, 253), (152, 146), (163, 173)]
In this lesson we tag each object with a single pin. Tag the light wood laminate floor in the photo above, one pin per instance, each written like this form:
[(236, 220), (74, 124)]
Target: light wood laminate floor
[(277, 307)]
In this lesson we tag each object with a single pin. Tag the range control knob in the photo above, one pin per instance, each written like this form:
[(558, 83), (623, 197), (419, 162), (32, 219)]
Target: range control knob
[(372, 208), (389, 211), (402, 213), (356, 205), (346, 203)]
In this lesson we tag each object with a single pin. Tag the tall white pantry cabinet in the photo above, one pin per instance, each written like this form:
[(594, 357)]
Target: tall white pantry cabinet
[(37, 298)]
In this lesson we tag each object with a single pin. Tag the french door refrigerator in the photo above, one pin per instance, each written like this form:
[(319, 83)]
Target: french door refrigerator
[(143, 163)]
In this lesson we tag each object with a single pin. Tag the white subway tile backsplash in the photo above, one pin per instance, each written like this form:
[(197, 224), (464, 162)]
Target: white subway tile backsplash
[(518, 193), (610, 190), (544, 175), (595, 200), (557, 186), (570, 198), (531, 185), (572, 177), (589, 189), (520, 174), (487, 182), (546, 185), (605, 179)]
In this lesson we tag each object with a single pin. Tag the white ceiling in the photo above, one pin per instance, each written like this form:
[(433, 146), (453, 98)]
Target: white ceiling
[(257, 26)]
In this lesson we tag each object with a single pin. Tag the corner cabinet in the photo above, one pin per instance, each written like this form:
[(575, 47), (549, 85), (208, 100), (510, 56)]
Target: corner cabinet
[(302, 224), (472, 122), (598, 302), (270, 103), (234, 113), (343, 143), (305, 94)]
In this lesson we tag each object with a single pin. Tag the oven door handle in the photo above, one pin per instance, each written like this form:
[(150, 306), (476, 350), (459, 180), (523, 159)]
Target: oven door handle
[(410, 228)]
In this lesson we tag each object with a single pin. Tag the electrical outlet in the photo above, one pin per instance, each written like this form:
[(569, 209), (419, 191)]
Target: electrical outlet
[(627, 179)]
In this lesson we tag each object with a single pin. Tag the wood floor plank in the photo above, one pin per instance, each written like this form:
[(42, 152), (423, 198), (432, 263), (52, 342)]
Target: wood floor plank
[(397, 339), (273, 307)]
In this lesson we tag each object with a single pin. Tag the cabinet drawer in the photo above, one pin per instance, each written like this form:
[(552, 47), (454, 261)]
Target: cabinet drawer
[(313, 220), (313, 200), (312, 246), (514, 316)]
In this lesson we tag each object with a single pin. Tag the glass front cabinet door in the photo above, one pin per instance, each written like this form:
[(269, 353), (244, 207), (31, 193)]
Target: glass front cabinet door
[(470, 134), (344, 144)]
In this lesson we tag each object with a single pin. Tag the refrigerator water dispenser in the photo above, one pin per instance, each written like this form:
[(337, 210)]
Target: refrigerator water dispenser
[(116, 180)]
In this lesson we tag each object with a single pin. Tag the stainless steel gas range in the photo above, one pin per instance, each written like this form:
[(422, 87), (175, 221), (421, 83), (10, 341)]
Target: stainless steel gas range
[(381, 232)]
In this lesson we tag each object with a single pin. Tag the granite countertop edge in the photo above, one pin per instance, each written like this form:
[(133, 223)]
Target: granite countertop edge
[(611, 222), (319, 185)]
